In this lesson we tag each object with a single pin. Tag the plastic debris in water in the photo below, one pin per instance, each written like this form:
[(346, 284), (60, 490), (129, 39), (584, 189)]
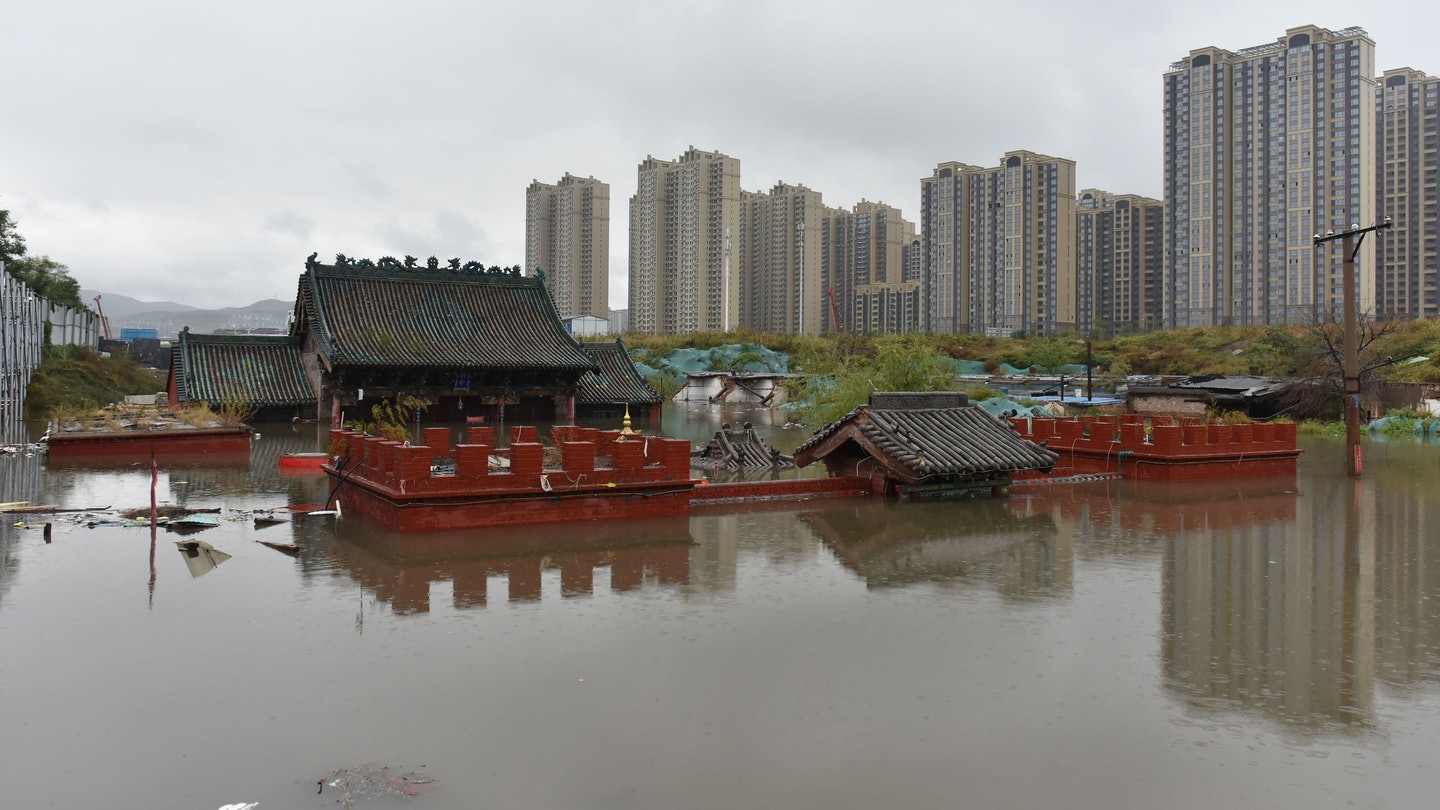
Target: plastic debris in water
[(373, 781)]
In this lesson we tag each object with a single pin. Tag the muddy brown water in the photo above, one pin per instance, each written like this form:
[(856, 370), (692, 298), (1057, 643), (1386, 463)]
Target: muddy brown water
[(1254, 643)]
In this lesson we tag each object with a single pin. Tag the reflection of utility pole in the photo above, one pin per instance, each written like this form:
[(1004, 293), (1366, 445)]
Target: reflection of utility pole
[(1351, 367)]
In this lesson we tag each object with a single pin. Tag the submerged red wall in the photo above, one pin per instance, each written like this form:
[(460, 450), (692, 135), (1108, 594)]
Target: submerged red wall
[(1155, 448)]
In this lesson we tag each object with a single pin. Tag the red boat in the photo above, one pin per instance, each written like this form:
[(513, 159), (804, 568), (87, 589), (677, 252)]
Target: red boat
[(303, 463)]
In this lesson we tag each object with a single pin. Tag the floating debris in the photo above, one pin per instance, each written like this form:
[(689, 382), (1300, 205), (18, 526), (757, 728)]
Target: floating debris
[(192, 523), (268, 519), (200, 557), (166, 512), (284, 548), (739, 449), (373, 781)]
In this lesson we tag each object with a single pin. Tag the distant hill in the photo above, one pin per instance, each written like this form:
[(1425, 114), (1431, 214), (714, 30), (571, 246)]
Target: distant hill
[(118, 306), (168, 317)]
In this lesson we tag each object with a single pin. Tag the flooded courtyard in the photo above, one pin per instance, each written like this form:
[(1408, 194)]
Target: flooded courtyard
[(1258, 643)]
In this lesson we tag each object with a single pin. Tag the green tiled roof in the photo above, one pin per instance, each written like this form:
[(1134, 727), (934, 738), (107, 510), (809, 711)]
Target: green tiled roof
[(261, 371), (418, 318), (617, 381)]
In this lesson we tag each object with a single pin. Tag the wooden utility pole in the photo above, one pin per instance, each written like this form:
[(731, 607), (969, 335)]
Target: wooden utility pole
[(1350, 367)]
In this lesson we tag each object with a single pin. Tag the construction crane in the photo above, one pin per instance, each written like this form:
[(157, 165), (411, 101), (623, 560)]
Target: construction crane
[(104, 324), (834, 316)]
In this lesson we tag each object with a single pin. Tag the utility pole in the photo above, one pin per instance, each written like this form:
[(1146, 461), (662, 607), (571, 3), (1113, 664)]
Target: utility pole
[(1350, 246), (725, 318)]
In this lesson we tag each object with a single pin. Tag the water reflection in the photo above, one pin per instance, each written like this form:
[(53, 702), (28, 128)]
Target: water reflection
[(984, 541), (1148, 642), (1274, 600), (400, 570)]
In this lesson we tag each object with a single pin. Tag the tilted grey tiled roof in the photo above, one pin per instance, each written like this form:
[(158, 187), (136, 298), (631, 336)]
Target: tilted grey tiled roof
[(435, 318), (933, 441), (616, 381), (258, 370)]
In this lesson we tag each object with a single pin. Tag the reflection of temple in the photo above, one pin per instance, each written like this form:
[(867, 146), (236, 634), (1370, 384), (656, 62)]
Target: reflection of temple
[(984, 541), (401, 568)]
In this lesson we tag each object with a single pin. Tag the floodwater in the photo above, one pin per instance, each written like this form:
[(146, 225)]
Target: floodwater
[(1258, 643)]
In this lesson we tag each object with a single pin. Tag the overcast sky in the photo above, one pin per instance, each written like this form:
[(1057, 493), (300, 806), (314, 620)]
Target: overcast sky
[(198, 152)]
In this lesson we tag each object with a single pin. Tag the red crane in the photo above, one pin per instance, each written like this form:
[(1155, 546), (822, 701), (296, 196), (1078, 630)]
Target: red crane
[(104, 324), (834, 317)]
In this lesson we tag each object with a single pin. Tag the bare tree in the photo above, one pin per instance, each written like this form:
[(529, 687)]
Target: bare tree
[(1322, 393)]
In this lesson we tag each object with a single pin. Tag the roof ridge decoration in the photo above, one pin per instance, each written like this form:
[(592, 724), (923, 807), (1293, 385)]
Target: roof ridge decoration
[(389, 266)]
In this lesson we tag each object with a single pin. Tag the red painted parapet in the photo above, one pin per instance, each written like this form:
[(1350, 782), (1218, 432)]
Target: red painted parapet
[(437, 438), (472, 461), (191, 444), (578, 457), (527, 461), (479, 434), (1154, 448), (403, 487)]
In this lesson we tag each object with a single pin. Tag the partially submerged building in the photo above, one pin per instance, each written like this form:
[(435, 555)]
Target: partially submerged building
[(736, 388), (467, 340), (470, 342), (1257, 397), (925, 445), (262, 372), (615, 386)]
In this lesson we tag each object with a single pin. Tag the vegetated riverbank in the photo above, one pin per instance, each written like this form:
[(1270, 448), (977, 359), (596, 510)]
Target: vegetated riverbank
[(851, 365), (79, 378), (1300, 349), (841, 370)]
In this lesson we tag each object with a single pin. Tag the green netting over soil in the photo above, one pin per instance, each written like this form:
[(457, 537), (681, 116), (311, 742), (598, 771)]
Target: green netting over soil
[(735, 357), (1002, 406)]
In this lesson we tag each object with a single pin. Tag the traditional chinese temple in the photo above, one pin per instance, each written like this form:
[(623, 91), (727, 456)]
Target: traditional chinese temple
[(465, 339), (925, 445), (471, 342)]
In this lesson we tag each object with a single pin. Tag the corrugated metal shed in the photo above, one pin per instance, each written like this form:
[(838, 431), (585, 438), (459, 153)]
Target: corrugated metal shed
[(262, 371), (616, 382), (918, 443), (427, 318)]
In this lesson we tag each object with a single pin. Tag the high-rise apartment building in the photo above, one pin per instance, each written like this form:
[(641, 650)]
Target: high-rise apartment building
[(1264, 148), (1119, 262), (863, 270), (567, 236), (999, 246), (1407, 109), (682, 218), (776, 253)]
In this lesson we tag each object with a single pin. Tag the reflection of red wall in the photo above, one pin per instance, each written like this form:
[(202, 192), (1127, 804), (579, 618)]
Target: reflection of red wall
[(401, 568), (406, 586), (1167, 510)]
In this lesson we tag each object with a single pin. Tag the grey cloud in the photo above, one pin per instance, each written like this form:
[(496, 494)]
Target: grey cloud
[(289, 222)]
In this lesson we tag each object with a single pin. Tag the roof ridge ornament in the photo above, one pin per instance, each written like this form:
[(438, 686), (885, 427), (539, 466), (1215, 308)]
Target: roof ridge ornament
[(389, 264)]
